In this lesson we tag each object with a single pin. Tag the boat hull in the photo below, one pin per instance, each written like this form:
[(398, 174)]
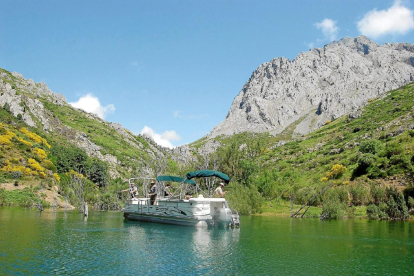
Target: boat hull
[(166, 220), (195, 212)]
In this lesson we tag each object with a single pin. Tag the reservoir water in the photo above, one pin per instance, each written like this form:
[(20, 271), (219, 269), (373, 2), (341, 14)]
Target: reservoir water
[(58, 243)]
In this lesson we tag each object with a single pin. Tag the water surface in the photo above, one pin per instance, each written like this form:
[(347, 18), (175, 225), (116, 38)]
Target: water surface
[(48, 243)]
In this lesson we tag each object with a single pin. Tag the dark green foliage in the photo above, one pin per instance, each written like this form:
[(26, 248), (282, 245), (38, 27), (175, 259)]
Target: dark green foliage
[(97, 172), (6, 107), (69, 159), (375, 212), (378, 194), (365, 160), (393, 148), (394, 208), (332, 207), (359, 195), (371, 146), (410, 202), (246, 200)]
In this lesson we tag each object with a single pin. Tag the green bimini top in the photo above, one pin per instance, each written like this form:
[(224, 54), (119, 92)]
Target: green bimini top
[(208, 173), (174, 179)]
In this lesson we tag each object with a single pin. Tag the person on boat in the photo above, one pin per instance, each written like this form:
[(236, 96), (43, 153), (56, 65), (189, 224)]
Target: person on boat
[(152, 192), (167, 191), (219, 190), (133, 191)]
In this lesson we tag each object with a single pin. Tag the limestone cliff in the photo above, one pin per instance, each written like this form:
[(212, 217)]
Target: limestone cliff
[(317, 86)]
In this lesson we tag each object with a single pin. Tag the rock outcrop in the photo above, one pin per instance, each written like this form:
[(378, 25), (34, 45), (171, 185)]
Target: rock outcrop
[(26, 99), (317, 86)]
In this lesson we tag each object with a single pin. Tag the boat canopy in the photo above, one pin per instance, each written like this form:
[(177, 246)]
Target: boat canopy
[(208, 173), (175, 179)]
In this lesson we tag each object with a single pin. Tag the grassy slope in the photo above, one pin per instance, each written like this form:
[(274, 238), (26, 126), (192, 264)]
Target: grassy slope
[(304, 162)]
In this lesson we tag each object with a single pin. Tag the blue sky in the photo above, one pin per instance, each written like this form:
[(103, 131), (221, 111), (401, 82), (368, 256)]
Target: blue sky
[(172, 68)]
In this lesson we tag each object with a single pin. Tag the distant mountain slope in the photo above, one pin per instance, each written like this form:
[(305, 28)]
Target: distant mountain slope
[(62, 124), (317, 86)]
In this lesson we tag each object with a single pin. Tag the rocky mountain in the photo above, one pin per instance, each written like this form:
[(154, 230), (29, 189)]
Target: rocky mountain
[(317, 86), (51, 116)]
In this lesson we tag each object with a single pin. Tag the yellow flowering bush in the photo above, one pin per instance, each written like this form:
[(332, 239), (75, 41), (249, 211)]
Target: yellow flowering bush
[(35, 166), (6, 138), (40, 153), (57, 177), (324, 179), (27, 143), (75, 174), (34, 137), (336, 171)]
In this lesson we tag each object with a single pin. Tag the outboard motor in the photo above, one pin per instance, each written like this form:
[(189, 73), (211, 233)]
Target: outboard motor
[(235, 221)]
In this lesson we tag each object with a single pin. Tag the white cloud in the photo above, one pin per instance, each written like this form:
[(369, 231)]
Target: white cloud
[(91, 104), (396, 20), (161, 139), (329, 29)]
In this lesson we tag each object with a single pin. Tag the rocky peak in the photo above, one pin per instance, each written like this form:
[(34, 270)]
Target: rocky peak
[(317, 86)]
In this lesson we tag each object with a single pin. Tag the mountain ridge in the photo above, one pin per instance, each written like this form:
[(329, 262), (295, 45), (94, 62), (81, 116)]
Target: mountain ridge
[(317, 86)]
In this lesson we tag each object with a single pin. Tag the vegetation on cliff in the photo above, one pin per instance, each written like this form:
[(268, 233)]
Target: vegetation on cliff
[(356, 164)]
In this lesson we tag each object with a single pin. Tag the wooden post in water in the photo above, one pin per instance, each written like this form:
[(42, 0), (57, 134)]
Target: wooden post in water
[(86, 209)]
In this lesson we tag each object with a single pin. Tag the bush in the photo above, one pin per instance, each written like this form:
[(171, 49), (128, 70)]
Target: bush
[(377, 211), (371, 146), (410, 202), (16, 174), (246, 200), (333, 207), (393, 148), (365, 160), (373, 212), (359, 194), (378, 194), (98, 172)]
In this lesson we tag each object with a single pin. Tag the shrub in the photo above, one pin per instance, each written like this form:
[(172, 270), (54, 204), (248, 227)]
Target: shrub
[(377, 211), (371, 146), (333, 207), (16, 174), (98, 172), (41, 154), (246, 200), (393, 148), (373, 212), (336, 171), (378, 194), (365, 160), (359, 194)]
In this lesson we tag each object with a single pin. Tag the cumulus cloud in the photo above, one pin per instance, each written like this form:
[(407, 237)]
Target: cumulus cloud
[(396, 20), (91, 104), (329, 29), (161, 139)]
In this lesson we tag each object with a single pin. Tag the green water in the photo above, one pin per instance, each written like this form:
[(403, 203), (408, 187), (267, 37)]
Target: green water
[(65, 244)]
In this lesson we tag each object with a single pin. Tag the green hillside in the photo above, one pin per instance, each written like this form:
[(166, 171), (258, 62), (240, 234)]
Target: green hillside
[(356, 165), (363, 161), (75, 147)]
